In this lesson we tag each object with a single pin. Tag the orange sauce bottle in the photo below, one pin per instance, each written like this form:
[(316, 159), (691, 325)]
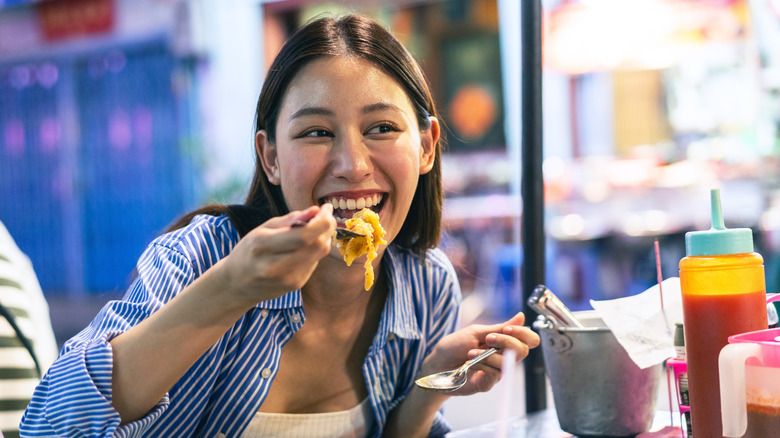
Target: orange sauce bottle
[(723, 293)]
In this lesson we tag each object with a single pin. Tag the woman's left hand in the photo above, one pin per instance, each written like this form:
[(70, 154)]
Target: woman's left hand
[(456, 348)]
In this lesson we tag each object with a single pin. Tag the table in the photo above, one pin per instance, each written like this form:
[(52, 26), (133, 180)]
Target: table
[(544, 424)]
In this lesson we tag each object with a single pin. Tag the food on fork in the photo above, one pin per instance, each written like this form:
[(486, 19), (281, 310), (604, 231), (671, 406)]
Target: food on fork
[(365, 222)]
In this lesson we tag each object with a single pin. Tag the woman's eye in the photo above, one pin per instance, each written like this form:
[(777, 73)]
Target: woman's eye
[(317, 133), (384, 128)]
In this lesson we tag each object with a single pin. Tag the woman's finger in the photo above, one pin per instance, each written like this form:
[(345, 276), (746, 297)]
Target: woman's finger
[(278, 237), (521, 346), (517, 320), (483, 378), (524, 334)]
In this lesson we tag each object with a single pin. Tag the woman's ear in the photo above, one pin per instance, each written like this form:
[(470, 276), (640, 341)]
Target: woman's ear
[(428, 141), (267, 153)]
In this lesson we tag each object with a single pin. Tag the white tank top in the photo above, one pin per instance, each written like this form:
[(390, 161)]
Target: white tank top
[(352, 423)]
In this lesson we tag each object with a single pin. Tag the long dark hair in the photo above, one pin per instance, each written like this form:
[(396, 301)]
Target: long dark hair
[(351, 35)]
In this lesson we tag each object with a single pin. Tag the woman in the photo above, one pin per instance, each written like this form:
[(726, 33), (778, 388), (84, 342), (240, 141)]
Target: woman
[(241, 324)]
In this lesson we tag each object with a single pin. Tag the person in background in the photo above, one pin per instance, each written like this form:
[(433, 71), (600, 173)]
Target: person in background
[(27, 343), (241, 324)]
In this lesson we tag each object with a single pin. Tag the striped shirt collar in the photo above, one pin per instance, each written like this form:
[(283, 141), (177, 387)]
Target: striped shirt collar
[(398, 315)]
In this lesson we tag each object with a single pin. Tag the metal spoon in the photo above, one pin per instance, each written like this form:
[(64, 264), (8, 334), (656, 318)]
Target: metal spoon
[(451, 380), (341, 233)]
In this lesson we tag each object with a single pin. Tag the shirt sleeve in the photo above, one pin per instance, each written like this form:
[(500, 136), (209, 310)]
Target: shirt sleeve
[(74, 396), (42, 335), (446, 303), (440, 426), (446, 310)]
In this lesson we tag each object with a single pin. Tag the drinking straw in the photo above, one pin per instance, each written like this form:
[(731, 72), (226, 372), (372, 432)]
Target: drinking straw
[(658, 272), (505, 396)]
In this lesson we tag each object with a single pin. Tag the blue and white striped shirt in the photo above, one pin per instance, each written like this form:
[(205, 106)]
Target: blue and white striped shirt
[(221, 392)]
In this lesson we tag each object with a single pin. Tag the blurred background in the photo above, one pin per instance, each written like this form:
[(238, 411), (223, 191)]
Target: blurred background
[(117, 116)]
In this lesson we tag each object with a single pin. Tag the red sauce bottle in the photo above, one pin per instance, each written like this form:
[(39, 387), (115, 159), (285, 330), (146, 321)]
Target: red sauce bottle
[(723, 294)]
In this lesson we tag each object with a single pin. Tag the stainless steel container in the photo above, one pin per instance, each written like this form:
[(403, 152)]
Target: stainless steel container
[(597, 389)]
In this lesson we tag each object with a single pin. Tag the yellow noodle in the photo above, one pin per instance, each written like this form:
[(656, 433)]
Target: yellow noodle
[(365, 222)]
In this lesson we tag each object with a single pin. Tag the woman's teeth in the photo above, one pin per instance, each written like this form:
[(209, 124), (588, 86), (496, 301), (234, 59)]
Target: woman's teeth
[(356, 204)]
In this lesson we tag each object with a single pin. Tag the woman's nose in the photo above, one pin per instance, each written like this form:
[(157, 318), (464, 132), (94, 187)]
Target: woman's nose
[(351, 158)]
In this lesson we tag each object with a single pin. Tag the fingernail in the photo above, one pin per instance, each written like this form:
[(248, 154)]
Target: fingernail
[(490, 338)]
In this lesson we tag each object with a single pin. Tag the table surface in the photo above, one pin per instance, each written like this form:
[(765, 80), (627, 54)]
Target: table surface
[(544, 424)]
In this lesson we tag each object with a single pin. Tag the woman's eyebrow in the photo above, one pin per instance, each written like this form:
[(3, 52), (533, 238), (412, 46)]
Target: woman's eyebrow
[(311, 111), (381, 106), (321, 111)]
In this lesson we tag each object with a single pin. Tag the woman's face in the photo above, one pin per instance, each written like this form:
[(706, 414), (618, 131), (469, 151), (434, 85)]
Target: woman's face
[(347, 134)]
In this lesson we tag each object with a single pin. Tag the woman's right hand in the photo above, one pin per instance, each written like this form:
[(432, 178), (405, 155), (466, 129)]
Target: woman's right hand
[(268, 262), (275, 257)]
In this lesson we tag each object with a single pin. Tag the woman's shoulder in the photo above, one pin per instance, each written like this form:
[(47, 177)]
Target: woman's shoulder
[(213, 234), (431, 273), (437, 257), (434, 258)]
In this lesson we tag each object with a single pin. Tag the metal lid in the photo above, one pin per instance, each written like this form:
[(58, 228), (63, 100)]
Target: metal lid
[(679, 335)]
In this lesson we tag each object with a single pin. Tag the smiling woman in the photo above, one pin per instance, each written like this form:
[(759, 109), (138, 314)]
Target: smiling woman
[(244, 319)]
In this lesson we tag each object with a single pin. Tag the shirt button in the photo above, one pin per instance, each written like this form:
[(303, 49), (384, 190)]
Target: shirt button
[(266, 373), (264, 313), (219, 435), (296, 318), (391, 336)]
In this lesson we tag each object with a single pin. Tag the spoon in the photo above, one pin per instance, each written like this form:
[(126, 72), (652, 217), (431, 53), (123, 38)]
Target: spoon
[(341, 233), (451, 380)]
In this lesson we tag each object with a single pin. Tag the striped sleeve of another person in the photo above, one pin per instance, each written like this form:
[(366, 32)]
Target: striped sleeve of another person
[(19, 334), (18, 373)]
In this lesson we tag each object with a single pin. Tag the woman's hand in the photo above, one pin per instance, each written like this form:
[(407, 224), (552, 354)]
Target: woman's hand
[(454, 349), (275, 257), (414, 416), (269, 261)]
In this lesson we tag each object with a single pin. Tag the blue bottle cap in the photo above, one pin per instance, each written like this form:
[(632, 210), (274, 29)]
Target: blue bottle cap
[(718, 240)]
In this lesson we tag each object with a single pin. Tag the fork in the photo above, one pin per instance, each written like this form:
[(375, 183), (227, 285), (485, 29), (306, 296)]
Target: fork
[(341, 233)]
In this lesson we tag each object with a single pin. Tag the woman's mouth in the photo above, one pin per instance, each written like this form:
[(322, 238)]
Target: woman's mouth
[(344, 208)]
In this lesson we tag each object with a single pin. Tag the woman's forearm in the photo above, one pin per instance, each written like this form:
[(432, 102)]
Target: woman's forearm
[(414, 416), (150, 357)]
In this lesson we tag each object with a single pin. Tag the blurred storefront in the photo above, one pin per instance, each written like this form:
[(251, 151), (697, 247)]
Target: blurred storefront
[(96, 116), (136, 111), (654, 103)]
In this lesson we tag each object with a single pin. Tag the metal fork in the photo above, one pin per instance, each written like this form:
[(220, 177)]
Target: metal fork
[(341, 233)]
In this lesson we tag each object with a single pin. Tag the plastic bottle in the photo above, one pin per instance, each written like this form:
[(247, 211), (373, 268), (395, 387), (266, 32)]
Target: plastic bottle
[(723, 293)]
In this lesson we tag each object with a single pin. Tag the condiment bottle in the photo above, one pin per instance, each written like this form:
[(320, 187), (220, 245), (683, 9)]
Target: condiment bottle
[(680, 366), (723, 294), (682, 378)]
